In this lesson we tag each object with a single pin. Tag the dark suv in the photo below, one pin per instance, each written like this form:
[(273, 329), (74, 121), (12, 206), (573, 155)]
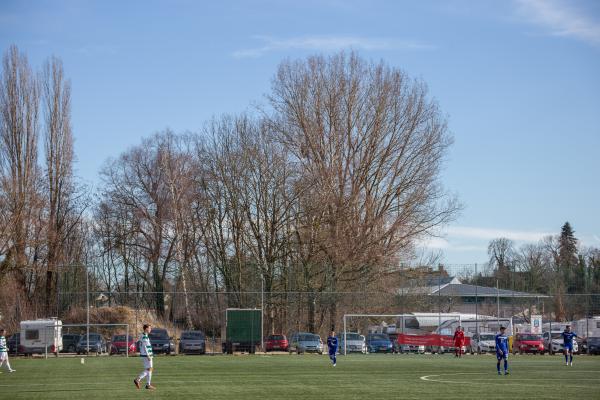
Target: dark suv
[(192, 342), (13, 343), (96, 345), (161, 341), (70, 341), (593, 345)]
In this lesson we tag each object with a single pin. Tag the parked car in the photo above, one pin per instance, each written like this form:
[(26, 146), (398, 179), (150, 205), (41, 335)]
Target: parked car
[(583, 346), (276, 343), (528, 343), (97, 344), (593, 345), (556, 345), (161, 341), (355, 343), (119, 344), (379, 343), (411, 348), (13, 343), (303, 342), (70, 341), (396, 345), (484, 342), (192, 342)]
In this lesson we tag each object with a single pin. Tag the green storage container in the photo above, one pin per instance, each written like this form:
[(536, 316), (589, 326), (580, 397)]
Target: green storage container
[(244, 328)]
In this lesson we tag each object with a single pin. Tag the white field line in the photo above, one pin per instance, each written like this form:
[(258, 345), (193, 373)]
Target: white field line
[(504, 380)]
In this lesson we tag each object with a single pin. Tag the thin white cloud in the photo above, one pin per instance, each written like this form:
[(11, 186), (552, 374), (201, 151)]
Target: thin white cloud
[(434, 243), (561, 18), (439, 243), (326, 43), (493, 233)]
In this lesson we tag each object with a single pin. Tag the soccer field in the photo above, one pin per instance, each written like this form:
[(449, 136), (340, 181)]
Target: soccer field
[(305, 377)]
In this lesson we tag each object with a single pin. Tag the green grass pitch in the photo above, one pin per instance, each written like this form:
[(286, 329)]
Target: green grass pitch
[(305, 377)]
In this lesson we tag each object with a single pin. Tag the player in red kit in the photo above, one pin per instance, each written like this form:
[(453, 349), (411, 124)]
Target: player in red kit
[(459, 341)]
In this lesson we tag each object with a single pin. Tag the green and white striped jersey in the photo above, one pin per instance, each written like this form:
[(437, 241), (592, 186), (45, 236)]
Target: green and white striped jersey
[(145, 346), (2, 344)]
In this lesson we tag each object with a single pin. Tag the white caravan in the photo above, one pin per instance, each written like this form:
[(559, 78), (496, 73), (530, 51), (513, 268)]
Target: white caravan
[(585, 328), (41, 336)]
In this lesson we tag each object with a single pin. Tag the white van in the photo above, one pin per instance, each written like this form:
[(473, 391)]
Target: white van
[(586, 327), (41, 336)]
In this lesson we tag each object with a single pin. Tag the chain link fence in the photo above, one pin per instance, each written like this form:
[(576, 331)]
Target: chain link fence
[(470, 289)]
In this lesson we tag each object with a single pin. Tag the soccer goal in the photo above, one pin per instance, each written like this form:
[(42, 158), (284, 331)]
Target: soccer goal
[(97, 339), (394, 328)]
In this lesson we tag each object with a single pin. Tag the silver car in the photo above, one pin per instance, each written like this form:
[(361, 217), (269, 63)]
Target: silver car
[(483, 342), (355, 343), (303, 342), (192, 342), (556, 344)]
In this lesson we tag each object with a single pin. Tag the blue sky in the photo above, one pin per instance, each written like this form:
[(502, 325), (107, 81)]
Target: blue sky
[(518, 79)]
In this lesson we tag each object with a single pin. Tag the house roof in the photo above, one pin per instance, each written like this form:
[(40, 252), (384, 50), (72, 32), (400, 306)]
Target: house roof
[(452, 286), (464, 290)]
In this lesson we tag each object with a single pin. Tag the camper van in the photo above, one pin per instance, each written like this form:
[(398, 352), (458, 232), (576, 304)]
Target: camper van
[(40, 336), (589, 327)]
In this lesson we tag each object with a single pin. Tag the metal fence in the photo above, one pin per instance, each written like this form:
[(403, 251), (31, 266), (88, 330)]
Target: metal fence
[(466, 289)]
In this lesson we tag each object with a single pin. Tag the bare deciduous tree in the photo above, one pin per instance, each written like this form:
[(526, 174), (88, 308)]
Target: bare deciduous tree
[(62, 195), (19, 172), (371, 143)]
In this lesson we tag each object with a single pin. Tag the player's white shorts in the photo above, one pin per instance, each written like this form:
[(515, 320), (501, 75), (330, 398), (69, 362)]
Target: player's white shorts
[(3, 356), (147, 362)]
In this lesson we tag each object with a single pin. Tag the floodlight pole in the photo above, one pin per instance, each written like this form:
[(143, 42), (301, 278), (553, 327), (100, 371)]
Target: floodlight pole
[(87, 300), (498, 302), (476, 304), (439, 302), (345, 335), (262, 312), (126, 341)]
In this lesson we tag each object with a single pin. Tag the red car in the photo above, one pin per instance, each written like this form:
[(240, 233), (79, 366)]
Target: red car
[(528, 343), (118, 345), (277, 343)]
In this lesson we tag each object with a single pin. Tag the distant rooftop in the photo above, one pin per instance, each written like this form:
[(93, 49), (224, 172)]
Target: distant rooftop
[(452, 286)]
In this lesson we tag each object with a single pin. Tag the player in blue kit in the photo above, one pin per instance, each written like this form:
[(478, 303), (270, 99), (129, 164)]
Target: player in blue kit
[(568, 344), (502, 350), (332, 344)]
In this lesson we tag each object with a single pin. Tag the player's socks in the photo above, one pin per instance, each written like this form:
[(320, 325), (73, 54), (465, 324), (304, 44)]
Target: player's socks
[(505, 366), (571, 361), (148, 382), (566, 358), (142, 375), (498, 367)]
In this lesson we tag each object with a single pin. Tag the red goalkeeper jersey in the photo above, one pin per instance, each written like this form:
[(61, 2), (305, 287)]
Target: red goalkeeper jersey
[(459, 338)]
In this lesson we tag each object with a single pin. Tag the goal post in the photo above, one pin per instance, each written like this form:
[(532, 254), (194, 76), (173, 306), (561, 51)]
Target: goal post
[(399, 318)]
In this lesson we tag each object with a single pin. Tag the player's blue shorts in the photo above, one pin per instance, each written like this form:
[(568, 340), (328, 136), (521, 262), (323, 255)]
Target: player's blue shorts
[(569, 346), (501, 356)]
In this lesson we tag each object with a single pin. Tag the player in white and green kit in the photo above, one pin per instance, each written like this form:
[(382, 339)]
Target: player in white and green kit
[(4, 351), (146, 354)]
